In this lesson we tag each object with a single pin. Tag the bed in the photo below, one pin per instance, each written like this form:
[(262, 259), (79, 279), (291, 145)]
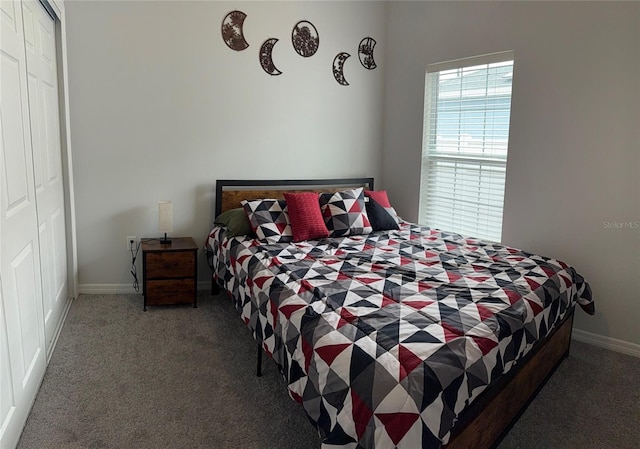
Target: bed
[(395, 338)]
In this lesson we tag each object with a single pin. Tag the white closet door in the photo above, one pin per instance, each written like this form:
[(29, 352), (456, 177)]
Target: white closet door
[(7, 399), (39, 36), (20, 258)]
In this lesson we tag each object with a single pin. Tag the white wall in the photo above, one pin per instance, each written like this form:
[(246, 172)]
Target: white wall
[(161, 108), (574, 142)]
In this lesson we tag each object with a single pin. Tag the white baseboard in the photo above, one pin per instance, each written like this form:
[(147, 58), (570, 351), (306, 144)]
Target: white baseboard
[(107, 289), (124, 289), (204, 286), (623, 347)]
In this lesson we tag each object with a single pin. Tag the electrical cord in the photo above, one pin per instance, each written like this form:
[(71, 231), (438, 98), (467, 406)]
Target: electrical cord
[(134, 269), (134, 256)]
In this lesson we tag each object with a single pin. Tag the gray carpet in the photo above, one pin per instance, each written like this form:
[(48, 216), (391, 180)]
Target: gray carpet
[(179, 377)]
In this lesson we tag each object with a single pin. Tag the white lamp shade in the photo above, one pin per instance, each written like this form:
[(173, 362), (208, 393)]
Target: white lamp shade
[(165, 216)]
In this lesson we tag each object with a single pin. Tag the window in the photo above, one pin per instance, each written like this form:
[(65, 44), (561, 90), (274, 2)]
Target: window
[(464, 146)]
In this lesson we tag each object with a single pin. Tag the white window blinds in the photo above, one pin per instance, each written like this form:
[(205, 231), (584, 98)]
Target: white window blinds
[(464, 146)]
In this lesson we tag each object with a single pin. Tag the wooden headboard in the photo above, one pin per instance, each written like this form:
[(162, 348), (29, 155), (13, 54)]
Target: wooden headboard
[(229, 193)]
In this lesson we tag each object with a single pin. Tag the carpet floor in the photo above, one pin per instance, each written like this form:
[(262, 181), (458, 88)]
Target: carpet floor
[(183, 377)]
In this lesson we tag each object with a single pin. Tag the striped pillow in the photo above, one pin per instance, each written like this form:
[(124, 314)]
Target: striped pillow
[(305, 215)]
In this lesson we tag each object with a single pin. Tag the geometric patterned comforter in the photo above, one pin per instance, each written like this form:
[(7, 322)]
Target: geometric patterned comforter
[(385, 338)]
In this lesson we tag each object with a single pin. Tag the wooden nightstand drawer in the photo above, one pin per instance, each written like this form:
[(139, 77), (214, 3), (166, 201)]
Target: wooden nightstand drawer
[(170, 264), (174, 291), (170, 271)]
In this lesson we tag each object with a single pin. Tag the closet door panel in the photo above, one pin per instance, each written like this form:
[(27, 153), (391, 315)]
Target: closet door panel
[(47, 153), (20, 253), (8, 403), (15, 137), (24, 329)]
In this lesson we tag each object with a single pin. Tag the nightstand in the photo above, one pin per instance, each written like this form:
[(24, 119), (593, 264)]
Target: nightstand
[(169, 271)]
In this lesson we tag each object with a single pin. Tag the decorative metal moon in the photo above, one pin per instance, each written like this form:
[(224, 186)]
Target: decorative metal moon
[(232, 31), (305, 39), (365, 53), (266, 58), (338, 68)]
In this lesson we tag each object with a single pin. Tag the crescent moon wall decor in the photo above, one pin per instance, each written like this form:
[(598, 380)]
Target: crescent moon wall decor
[(338, 68), (365, 53), (266, 58), (305, 39), (232, 30)]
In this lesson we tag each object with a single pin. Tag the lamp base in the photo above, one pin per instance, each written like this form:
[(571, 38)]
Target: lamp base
[(164, 240)]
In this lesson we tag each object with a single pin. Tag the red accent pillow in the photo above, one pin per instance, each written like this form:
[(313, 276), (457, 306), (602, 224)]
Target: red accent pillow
[(305, 216), (379, 196)]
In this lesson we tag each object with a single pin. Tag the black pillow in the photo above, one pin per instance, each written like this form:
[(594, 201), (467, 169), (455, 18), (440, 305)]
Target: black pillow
[(380, 219)]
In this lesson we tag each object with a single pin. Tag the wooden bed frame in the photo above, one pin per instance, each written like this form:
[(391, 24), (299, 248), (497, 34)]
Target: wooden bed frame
[(488, 419), (229, 193)]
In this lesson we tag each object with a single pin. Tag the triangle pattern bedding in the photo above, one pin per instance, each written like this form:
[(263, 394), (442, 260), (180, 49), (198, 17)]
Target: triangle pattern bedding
[(384, 338)]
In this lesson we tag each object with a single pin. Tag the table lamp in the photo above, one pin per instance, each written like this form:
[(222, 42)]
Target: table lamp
[(165, 220)]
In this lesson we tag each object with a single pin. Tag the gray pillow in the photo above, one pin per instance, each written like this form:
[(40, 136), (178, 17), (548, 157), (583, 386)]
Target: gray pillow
[(236, 222)]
